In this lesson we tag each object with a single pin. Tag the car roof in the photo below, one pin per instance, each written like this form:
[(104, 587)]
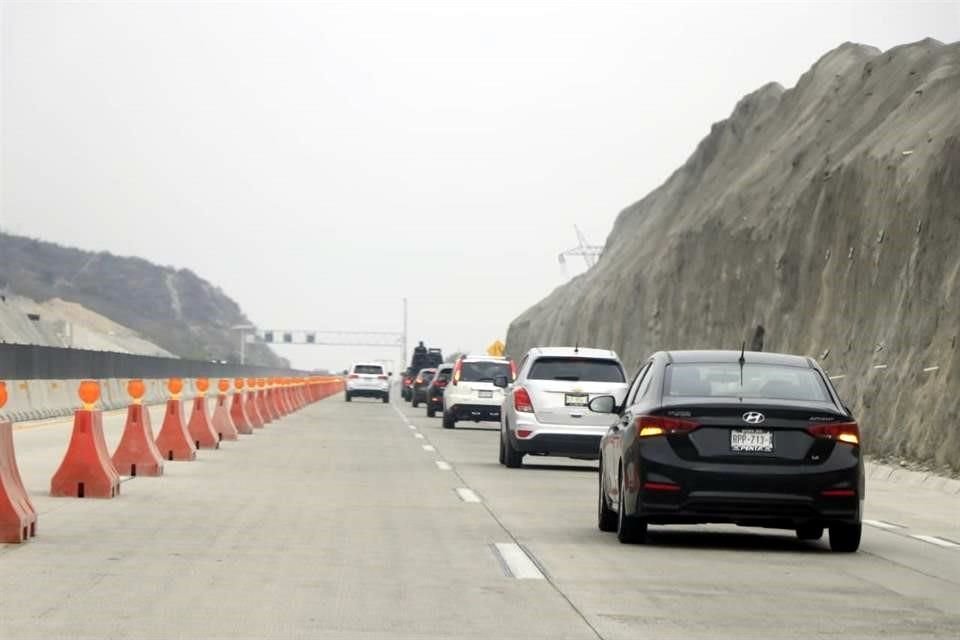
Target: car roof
[(445, 365), (367, 364), (733, 356), (580, 352), (428, 369), (484, 358)]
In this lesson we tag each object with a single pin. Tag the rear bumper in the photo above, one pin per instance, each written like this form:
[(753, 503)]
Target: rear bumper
[(475, 412), (578, 441), (773, 495), (371, 393)]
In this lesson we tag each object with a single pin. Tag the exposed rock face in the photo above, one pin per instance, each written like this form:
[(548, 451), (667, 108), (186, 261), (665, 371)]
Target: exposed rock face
[(821, 220), (175, 309)]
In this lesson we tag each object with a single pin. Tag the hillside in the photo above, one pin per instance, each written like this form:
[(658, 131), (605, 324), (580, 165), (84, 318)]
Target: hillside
[(821, 220), (175, 309)]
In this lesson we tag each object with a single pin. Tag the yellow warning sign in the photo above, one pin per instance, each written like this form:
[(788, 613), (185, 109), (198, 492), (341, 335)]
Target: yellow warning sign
[(496, 349)]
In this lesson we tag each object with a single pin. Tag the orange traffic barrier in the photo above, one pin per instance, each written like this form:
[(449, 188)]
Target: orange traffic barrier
[(220, 421), (18, 517), (282, 398), (174, 441), (250, 405), (262, 405), (237, 411), (201, 431), (274, 396), (86, 470), (137, 454)]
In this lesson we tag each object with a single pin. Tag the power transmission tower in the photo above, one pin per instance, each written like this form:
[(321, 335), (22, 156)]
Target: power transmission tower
[(589, 252)]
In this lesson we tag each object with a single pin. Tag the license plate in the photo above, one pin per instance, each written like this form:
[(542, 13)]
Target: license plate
[(753, 440), (576, 400), (485, 394)]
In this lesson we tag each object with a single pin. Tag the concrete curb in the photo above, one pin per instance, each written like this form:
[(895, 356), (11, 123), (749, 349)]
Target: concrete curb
[(910, 478)]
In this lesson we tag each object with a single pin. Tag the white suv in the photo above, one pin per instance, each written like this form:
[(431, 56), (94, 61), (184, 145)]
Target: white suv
[(368, 379), (471, 394), (545, 410)]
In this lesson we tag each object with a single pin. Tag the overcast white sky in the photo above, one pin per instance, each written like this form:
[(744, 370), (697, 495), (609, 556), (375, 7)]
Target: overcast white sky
[(321, 161)]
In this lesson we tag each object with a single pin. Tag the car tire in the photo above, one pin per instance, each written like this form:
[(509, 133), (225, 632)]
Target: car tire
[(386, 398), (448, 421), (630, 530), (413, 402), (511, 457), (431, 412), (347, 396), (503, 459), (810, 532), (845, 538), (606, 517)]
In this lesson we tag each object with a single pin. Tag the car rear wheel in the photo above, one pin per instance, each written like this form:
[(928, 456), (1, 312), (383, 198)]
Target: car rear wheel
[(386, 398), (502, 456), (347, 394), (511, 457), (413, 401), (448, 421), (630, 530), (606, 518), (431, 412), (810, 532), (845, 538)]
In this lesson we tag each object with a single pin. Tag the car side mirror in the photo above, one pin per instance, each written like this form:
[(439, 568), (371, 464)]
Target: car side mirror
[(603, 404), (500, 381)]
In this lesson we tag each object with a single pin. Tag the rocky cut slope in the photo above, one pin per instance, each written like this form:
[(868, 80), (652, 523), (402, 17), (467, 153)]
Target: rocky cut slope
[(821, 220), (175, 309)]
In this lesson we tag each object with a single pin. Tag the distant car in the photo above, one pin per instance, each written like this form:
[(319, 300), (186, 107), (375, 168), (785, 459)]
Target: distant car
[(753, 439), (368, 379), (436, 388), (418, 392), (472, 394), (545, 410)]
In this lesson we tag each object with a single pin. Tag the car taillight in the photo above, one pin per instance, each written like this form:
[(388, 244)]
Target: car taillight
[(513, 371), (848, 432), (353, 376), (440, 383), (521, 400), (457, 369), (648, 426), (418, 380)]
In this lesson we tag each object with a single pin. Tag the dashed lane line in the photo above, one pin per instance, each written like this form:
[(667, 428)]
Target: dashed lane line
[(880, 524), (940, 542), (517, 562), (468, 495), (443, 465), (429, 447)]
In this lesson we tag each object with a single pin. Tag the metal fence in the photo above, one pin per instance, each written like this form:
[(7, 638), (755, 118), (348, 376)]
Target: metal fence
[(31, 362)]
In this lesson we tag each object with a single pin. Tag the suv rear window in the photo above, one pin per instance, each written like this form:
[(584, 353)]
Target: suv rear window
[(577, 369), (375, 369), (481, 371), (722, 380), (443, 374)]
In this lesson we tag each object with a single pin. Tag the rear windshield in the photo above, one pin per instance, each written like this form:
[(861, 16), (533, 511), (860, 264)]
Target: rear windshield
[(577, 369), (484, 371), (759, 381), (443, 374), (427, 374), (368, 368)]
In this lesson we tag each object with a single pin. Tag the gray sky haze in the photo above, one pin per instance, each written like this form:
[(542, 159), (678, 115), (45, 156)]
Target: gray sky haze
[(320, 161)]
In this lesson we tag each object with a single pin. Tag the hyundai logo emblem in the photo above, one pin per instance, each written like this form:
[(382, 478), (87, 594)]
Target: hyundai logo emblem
[(753, 417)]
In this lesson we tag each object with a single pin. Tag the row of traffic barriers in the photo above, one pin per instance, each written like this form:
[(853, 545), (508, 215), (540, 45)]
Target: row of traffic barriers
[(89, 471)]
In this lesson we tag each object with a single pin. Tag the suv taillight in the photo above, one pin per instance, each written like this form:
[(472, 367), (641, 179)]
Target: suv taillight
[(649, 426), (521, 400), (848, 432), (353, 376)]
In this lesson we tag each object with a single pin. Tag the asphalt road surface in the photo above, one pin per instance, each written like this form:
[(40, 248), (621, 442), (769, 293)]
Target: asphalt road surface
[(366, 520)]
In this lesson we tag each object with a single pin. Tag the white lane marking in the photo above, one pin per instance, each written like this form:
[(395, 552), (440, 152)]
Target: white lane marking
[(929, 369), (428, 447), (443, 466), (418, 436), (879, 366), (839, 376), (940, 542), (880, 524), (412, 427), (467, 495), (518, 563)]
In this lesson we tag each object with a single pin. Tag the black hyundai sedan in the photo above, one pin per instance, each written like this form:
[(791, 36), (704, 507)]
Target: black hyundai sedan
[(754, 439)]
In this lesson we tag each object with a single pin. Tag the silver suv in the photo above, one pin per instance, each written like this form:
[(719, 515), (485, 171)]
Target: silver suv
[(544, 412)]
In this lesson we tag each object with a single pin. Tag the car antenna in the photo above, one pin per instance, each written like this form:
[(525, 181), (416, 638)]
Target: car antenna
[(742, 361), (576, 347)]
